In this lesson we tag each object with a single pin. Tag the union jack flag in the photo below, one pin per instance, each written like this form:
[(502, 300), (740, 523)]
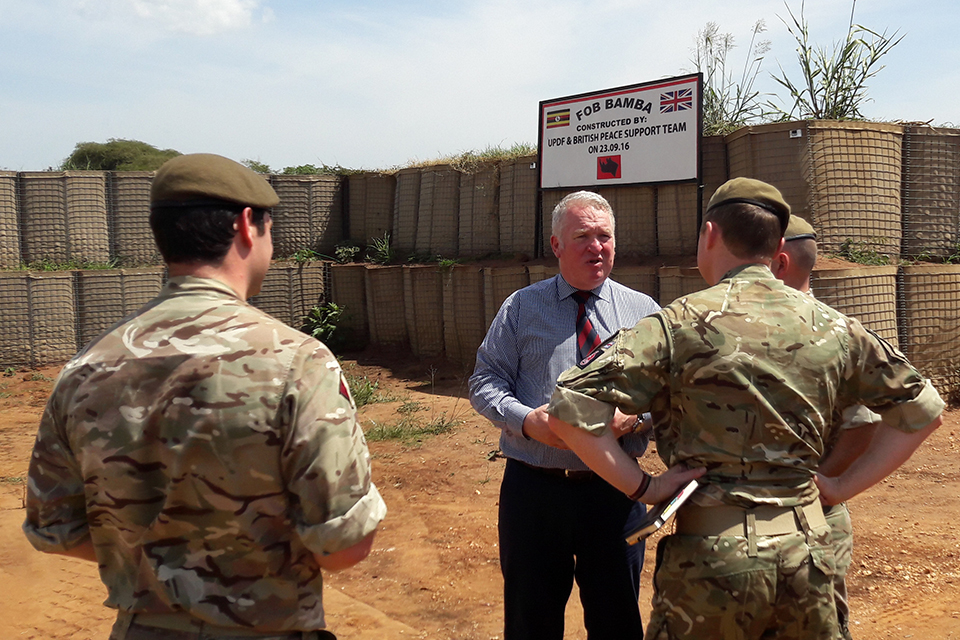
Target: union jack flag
[(680, 100)]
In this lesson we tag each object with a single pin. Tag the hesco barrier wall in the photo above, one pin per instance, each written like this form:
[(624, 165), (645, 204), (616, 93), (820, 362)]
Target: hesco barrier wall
[(104, 297), (64, 216), (868, 294), (445, 311), (498, 284), (677, 219), (423, 307), (348, 291), (549, 201), (386, 313), (774, 153), (865, 186), (675, 282), (640, 278), (438, 211), (371, 203), (39, 320), (930, 191), (518, 205), (635, 210), (9, 229), (479, 226), (291, 289), (845, 177), (405, 208), (929, 298), (715, 169), (854, 173), (309, 215), (463, 317), (128, 210)]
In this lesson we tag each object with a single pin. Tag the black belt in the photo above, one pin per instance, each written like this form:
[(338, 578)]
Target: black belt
[(569, 474)]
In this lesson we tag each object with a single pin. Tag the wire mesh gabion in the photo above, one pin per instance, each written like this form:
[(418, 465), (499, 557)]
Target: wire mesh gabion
[(478, 219), (929, 297), (518, 205), (9, 226), (930, 192), (866, 293), (438, 210)]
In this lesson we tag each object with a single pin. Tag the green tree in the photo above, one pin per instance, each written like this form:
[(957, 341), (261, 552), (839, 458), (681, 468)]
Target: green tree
[(257, 166), (117, 155)]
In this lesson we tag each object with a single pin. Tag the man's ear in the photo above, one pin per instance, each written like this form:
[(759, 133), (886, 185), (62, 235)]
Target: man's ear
[(245, 227), (780, 264), (555, 245), (711, 234)]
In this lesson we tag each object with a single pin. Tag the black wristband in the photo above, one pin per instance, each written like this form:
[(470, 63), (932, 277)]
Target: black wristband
[(642, 487)]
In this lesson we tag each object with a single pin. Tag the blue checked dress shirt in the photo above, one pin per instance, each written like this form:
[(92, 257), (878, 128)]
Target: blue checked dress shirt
[(531, 341)]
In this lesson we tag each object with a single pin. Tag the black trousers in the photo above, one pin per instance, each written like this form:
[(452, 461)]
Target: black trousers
[(554, 530)]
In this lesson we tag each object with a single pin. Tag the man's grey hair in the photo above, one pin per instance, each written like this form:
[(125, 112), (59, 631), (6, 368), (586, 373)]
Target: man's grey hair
[(581, 198)]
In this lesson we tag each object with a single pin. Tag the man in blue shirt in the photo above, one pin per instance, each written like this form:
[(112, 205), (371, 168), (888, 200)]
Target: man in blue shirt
[(558, 520)]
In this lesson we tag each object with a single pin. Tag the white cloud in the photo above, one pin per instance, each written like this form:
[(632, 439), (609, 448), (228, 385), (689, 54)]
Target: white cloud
[(194, 17)]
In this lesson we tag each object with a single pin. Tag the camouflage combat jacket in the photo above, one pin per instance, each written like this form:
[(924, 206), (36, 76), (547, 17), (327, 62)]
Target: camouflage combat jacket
[(744, 378), (209, 451)]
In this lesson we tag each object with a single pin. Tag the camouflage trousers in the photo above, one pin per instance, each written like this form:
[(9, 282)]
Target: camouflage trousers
[(181, 626), (712, 587), (841, 536)]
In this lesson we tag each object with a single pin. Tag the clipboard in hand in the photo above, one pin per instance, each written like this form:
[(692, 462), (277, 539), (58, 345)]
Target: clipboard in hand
[(661, 514)]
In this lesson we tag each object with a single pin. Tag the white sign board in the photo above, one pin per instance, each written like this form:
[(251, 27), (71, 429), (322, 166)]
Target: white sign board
[(643, 133)]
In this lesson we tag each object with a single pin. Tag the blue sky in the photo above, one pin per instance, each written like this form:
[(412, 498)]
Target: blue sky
[(375, 84)]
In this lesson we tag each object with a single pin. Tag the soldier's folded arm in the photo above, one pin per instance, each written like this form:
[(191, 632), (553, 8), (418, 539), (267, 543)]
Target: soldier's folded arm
[(626, 376)]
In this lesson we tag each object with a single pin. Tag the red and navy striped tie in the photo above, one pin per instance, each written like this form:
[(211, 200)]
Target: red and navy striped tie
[(587, 338)]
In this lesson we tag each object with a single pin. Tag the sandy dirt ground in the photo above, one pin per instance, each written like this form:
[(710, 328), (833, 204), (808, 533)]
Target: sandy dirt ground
[(434, 570)]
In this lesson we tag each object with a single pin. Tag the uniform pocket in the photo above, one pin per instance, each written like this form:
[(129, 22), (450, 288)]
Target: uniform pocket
[(824, 559)]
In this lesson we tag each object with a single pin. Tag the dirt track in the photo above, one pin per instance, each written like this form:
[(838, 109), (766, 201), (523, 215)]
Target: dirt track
[(434, 573)]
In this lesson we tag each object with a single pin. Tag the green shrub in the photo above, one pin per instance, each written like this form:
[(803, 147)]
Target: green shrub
[(379, 250), (321, 322)]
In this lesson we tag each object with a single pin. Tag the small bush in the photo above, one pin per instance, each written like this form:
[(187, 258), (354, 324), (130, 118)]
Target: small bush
[(363, 390), (862, 253), (321, 322), (346, 252), (379, 250), (306, 255)]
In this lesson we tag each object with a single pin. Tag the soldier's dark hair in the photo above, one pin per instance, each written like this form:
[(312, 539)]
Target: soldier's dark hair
[(201, 233), (803, 252), (748, 231)]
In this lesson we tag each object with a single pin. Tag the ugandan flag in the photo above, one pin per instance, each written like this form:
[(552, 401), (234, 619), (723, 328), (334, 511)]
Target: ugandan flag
[(558, 118)]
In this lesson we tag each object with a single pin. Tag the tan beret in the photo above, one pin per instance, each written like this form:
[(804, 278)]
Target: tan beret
[(799, 229), (206, 178), (753, 192)]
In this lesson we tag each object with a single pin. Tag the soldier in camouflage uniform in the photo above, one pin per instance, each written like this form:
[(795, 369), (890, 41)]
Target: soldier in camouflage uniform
[(204, 454), (742, 381), (846, 441)]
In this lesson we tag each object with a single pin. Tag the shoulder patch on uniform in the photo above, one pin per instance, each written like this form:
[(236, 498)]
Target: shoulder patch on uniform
[(598, 351)]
